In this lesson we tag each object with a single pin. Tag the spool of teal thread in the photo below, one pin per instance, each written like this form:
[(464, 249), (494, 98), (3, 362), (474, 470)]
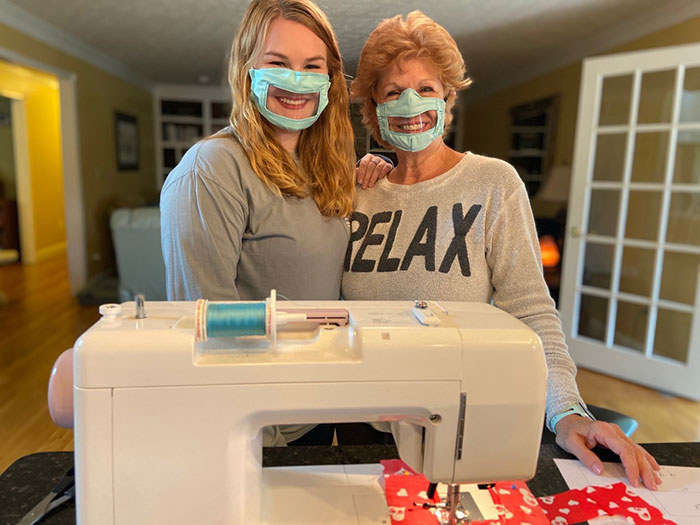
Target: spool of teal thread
[(235, 319)]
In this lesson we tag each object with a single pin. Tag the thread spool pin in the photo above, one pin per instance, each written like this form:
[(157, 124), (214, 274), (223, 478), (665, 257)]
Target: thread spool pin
[(110, 310)]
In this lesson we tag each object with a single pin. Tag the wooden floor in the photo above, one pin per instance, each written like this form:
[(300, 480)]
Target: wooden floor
[(40, 319)]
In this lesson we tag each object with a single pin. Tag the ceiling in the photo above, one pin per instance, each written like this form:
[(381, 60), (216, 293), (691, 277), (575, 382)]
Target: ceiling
[(503, 41)]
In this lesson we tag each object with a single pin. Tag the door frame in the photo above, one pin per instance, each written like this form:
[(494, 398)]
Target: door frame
[(72, 170)]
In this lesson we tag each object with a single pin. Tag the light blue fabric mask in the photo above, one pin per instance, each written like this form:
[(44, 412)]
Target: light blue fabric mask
[(411, 104), (294, 82)]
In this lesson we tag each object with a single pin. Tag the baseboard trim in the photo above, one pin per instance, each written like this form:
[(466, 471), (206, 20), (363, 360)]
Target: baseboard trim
[(50, 252)]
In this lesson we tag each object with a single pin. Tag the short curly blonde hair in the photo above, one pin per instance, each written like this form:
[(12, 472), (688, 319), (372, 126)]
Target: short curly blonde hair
[(395, 40)]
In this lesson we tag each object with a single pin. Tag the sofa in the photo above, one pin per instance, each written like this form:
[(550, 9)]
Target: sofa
[(140, 266)]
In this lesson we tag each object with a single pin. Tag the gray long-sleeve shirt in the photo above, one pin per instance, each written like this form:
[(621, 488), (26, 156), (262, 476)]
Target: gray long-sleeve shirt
[(226, 236), (466, 235)]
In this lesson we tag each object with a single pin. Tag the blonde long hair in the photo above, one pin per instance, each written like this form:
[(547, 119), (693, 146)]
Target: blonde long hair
[(325, 149)]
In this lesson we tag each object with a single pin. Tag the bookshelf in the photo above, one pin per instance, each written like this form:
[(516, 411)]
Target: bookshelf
[(184, 115), (531, 136)]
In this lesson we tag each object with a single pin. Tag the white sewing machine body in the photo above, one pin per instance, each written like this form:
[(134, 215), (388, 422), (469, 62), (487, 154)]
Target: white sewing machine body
[(168, 430)]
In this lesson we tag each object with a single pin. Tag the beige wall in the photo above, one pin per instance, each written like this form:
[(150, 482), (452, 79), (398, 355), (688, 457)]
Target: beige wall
[(99, 95), (487, 121)]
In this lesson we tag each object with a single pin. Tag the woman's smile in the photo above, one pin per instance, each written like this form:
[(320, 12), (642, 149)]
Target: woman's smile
[(417, 124), (293, 105), (292, 102)]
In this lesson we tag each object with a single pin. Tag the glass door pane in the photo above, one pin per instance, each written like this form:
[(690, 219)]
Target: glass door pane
[(610, 157), (615, 101), (643, 215), (650, 150), (690, 100), (687, 166), (598, 265), (684, 219), (631, 325), (656, 97), (604, 210), (673, 334), (679, 278), (637, 272), (593, 317)]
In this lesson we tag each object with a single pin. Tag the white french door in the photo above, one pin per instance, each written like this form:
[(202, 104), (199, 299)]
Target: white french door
[(630, 298)]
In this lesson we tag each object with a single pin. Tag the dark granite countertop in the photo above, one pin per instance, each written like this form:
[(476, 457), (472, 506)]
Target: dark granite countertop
[(30, 478)]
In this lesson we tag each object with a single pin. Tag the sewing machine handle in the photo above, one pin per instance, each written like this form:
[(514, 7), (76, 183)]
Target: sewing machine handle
[(60, 392)]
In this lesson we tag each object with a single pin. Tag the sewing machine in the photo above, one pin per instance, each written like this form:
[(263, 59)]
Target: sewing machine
[(168, 422)]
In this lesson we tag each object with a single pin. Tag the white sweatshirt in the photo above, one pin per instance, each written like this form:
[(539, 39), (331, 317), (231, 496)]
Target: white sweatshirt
[(466, 235)]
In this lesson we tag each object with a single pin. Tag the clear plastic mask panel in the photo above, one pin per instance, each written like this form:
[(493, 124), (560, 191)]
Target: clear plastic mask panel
[(291, 105), (417, 124)]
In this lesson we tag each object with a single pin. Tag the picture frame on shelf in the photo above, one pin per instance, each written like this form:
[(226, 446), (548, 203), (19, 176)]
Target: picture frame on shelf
[(127, 141)]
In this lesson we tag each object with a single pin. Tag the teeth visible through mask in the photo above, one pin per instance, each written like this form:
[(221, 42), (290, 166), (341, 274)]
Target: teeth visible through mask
[(412, 127), (292, 101), (414, 124)]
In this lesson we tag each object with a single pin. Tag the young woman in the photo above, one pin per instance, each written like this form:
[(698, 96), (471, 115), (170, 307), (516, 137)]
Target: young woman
[(264, 204), (451, 226)]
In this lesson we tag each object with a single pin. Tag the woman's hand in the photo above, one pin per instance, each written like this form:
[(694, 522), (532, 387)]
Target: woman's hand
[(578, 435), (370, 169)]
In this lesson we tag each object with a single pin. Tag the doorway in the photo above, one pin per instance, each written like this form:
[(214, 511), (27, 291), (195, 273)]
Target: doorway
[(9, 221), (70, 240), (38, 172)]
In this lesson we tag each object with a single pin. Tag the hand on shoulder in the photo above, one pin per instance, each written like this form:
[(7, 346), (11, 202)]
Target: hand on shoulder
[(370, 169)]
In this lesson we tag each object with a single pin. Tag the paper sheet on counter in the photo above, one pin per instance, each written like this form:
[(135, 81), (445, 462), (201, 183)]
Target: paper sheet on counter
[(678, 497)]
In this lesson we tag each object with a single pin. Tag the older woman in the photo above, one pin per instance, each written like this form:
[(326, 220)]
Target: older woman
[(456, 226)]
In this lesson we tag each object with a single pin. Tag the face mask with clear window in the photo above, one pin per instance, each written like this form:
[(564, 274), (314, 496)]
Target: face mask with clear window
[(411, 122), (292, 100)]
